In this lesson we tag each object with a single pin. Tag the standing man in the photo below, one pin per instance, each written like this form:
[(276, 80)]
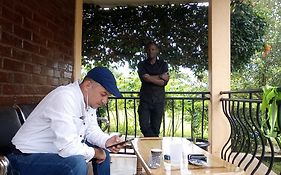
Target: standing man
[(154, 76), (61, 134)]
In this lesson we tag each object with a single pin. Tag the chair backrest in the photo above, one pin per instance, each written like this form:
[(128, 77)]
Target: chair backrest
[(24, 110), (27, 108), (9, 125)]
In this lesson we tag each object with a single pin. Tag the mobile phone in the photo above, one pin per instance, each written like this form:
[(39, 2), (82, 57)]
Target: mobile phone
[(121, 143), (197, 157)]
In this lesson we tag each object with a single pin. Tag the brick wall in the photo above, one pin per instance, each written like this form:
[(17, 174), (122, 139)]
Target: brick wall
[(36, 48)]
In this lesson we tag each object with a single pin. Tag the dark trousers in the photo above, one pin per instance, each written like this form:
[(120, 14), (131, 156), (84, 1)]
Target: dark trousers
[(150, 118)]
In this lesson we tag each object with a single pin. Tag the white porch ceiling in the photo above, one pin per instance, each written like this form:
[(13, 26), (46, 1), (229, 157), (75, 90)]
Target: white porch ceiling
[(113, 3)]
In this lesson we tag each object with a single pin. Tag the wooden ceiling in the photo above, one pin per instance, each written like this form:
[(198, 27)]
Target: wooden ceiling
[(113, 3)]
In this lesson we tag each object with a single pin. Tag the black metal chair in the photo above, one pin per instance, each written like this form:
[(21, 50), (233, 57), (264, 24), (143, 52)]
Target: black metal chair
[(4, 163), (24, 110), (9, 125)]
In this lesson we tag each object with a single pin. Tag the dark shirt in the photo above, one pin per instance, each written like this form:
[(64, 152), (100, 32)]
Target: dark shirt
[(150, 92)]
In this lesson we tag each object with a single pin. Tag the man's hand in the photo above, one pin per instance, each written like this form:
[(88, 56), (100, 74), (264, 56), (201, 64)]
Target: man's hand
[(99, 155), (113, 140)]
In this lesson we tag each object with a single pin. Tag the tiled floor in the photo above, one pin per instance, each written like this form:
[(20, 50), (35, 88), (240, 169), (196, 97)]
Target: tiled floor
[(123, 164)]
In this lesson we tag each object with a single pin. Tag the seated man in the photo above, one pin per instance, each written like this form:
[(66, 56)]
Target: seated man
[(61, 134)]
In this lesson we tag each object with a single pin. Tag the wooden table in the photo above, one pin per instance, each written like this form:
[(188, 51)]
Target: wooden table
[(215, 165)]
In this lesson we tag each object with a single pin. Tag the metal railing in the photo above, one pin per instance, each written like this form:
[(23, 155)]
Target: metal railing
[(186, 114), (247, 146)]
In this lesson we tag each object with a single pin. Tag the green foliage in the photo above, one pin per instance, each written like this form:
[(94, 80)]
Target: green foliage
[(269, 109), (129, 83), (263, 70), (186, 82), (247, 31), (120, 33), (258, 73), (198, 120), (271, 10)]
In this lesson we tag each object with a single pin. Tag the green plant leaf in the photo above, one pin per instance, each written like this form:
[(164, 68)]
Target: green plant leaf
[(269, 110)]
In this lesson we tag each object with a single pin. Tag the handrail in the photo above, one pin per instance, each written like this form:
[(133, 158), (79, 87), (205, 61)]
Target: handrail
[(246, 145), (186, 114)]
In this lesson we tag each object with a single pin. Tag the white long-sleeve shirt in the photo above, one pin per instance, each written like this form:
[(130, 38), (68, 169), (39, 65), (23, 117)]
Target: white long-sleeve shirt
[(59, 124)]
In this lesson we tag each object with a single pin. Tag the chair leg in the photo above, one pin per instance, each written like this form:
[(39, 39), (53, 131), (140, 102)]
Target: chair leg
[(4, 163)]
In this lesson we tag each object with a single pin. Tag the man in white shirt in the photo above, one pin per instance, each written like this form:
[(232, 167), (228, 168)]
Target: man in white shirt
[(62, 134)]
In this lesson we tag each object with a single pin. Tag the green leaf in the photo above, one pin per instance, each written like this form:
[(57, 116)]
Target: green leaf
[(269, 110)]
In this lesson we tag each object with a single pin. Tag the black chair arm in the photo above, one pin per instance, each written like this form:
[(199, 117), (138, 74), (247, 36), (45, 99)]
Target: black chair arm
[(4, 163)]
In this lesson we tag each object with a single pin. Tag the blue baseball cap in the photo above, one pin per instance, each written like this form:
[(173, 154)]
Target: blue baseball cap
[(104, 77)]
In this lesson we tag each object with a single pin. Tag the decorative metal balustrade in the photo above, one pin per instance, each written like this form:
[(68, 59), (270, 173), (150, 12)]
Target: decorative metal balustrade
[(247, 146)]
